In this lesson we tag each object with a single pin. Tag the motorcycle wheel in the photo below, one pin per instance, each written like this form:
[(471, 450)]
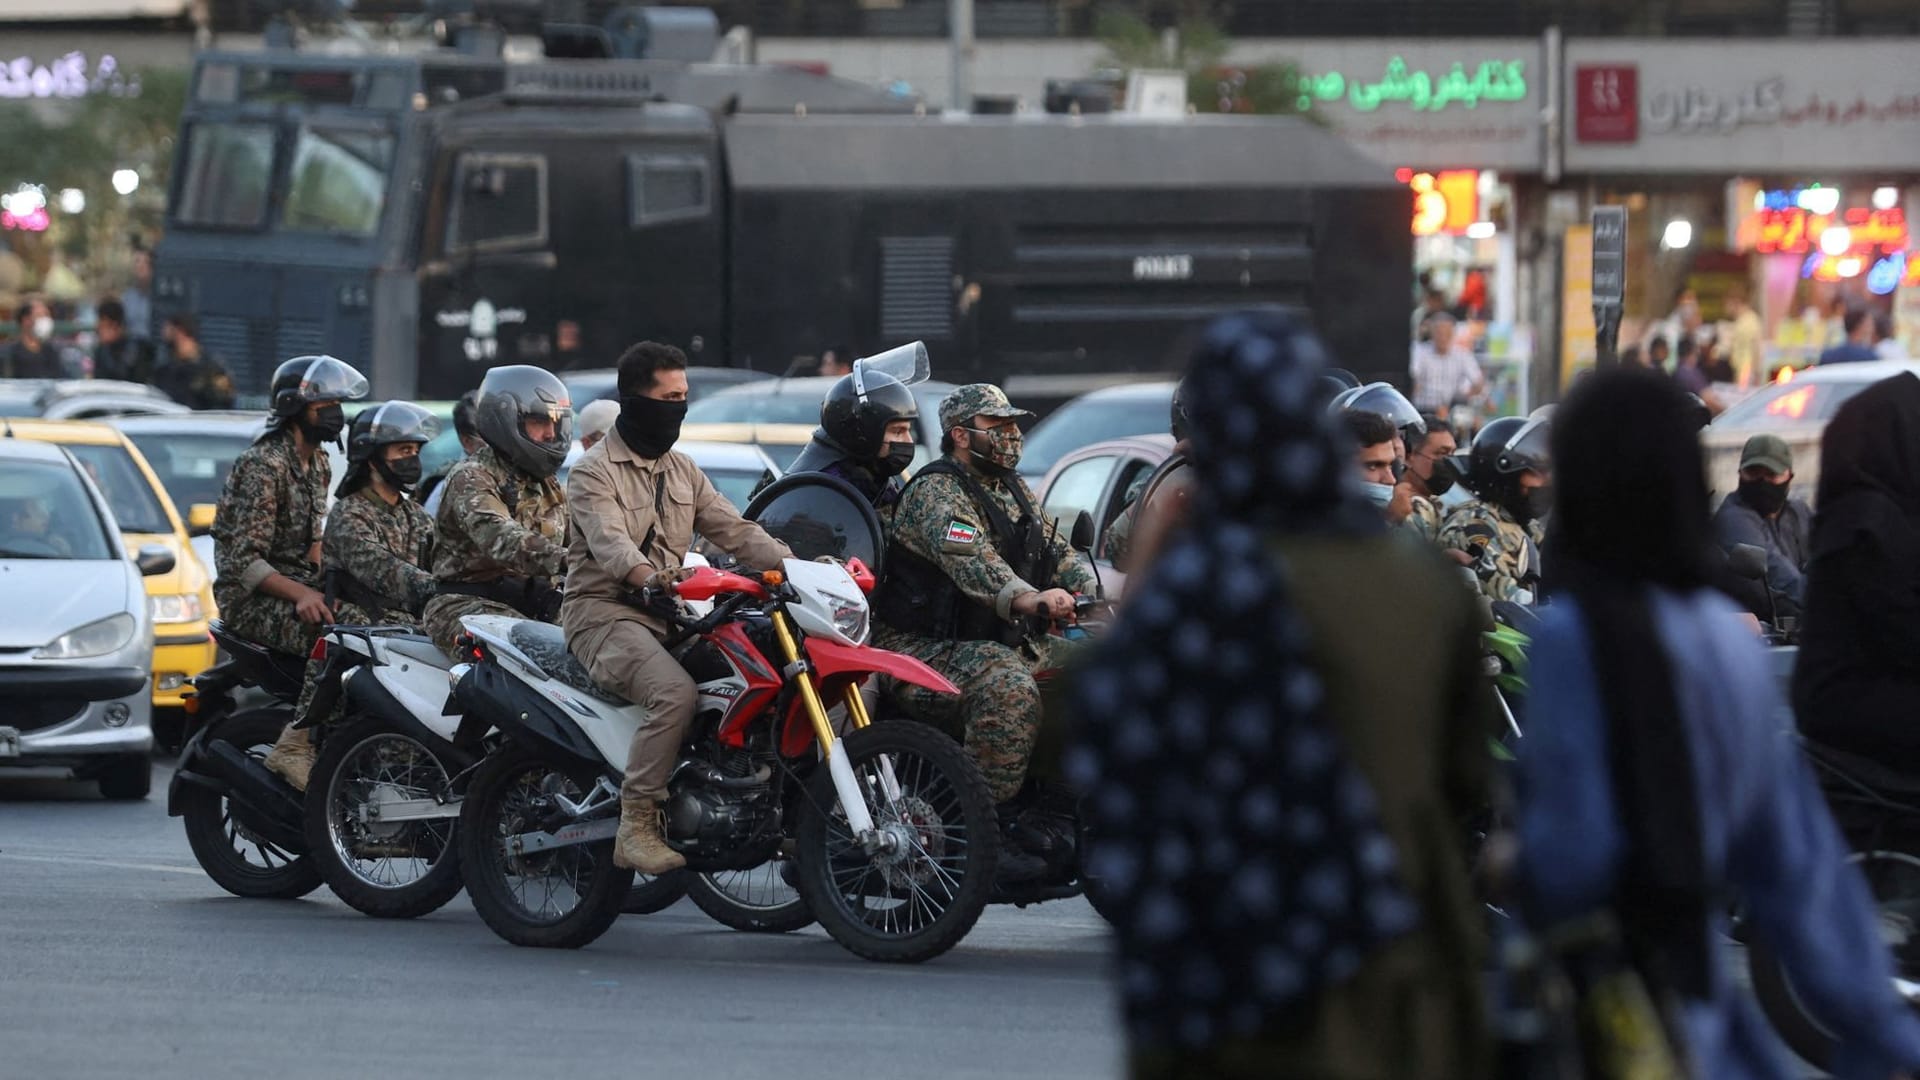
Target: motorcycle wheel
[(559, 899), (917, 902), (397, 871), (237, 858), (757, 901), (1894, 878), (652, 893)]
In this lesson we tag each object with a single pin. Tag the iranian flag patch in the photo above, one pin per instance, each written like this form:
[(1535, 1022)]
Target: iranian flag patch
[(959, 532)]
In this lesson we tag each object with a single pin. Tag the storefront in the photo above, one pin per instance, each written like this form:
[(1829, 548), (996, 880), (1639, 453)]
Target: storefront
[(1786, 171)]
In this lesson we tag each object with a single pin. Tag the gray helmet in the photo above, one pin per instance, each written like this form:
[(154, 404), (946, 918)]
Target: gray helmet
[(508, 397), (1383, 399), (304, 380)]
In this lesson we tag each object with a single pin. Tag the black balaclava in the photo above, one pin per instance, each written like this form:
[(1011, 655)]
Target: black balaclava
[(648, 425)]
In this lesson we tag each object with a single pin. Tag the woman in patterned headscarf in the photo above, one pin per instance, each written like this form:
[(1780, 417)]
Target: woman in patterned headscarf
[(1279, 741)]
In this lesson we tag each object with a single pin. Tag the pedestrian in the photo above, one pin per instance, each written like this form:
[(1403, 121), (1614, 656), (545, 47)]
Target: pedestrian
[(118, 355), (1856, 686), (1885, 345), (836, 361), (596, 419), (1663, 784), (1687, 373), (1857, 347), (1444, 371), (137, 298), (1746, 351), (1432, 302), (1288, 885), (32, 354), (1763, 513), (188, 375), (1658, 352), (1714, 363)]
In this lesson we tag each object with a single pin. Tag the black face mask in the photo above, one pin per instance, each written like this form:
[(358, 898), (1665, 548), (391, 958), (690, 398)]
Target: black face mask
[(650, 426), (1764, 496), (402, 474), (895, 461), (1443, 476), (1538, 502), (326, 426)]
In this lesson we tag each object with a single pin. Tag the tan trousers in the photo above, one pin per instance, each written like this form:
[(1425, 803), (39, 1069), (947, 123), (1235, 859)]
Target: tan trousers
[(625, 658)]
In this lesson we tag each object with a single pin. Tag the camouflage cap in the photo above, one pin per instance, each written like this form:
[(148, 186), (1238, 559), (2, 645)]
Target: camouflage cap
[(977, 399)]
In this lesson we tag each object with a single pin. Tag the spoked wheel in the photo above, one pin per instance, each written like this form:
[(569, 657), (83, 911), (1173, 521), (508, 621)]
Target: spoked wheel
[(1894, 877), (653, 893), (225, 840), (562, 898), (757, 900), (391, 870), (923, 889)]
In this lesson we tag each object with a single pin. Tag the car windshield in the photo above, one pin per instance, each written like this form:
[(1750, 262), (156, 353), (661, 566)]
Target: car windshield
[(192, 467), (753, 405), (736, 484), (135, 506), (1791, 404), (1088, 421), (45, 514)]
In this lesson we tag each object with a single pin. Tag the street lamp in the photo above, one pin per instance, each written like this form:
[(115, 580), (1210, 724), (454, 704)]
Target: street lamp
[(126, 181), (1678, 235), (72, 201)]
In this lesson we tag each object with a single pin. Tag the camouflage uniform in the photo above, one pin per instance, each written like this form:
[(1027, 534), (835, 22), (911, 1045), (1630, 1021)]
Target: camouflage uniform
[(998, 708), (495, 520), (1120, 534), (267, 521), (387, 550), (1498, 544), (1426, 519)]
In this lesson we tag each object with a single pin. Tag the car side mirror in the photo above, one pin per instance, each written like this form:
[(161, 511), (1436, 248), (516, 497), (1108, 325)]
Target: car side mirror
[(200, 518), (1082, 537), (1748, 561), (153, 560)]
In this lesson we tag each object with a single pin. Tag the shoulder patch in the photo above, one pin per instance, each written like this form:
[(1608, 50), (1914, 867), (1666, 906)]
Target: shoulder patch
[(960, 532)]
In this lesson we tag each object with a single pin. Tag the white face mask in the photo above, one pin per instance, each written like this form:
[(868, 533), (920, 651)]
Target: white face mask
[(43, 328), (1378, 494)]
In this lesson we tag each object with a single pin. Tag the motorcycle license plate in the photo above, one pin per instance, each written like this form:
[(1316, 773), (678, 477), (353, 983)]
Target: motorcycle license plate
[(9, 742)]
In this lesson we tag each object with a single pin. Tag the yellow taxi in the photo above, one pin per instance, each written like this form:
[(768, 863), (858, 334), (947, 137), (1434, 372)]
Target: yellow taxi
[(181, 600)]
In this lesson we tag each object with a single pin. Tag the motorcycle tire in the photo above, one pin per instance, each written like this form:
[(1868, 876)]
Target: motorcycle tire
[(331, 831), (217, 836), (1894, 877), (504, 797), (651, 894), (739, 900), (938, 782)]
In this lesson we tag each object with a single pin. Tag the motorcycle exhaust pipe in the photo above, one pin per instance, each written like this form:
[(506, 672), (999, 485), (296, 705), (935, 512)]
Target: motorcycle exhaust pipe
[(267, 804)]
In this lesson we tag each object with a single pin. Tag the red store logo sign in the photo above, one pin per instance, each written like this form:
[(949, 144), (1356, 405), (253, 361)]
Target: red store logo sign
[(1606, 103)]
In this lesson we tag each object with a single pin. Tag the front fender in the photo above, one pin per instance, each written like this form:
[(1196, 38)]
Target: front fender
[(831, 658)]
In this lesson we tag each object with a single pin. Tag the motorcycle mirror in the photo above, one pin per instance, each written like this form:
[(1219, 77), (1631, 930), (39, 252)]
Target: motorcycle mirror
[(909, 363), (1082, 536), (1748, 561)]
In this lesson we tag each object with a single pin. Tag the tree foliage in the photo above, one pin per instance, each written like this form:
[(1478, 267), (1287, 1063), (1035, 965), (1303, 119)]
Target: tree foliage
[(1199, 48)]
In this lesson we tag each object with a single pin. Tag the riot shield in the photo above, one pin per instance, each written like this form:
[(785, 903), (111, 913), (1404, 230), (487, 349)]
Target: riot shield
[(816, 514)]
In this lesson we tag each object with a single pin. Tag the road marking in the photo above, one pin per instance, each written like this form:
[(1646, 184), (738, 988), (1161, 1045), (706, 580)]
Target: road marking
[(105, 863)]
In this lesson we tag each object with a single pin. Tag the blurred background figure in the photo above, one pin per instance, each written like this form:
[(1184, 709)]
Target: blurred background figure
[(1444, 370), (837, 361), (137, 299), (1663, 784), (117, 354), (188, 375), (32, 355), (1857, 345), (1290, 892)]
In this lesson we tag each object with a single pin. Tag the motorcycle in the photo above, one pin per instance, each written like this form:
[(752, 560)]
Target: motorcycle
[(891, 827)]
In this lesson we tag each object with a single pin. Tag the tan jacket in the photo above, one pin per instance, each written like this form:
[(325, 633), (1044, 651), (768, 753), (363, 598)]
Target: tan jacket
[(611, 497)]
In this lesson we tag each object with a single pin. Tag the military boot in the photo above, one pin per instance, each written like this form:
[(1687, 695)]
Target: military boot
[(1017, 865), (292, 756), (638, 845)]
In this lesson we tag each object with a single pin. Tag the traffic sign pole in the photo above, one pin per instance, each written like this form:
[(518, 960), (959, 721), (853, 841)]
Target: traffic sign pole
[(1609, 282)]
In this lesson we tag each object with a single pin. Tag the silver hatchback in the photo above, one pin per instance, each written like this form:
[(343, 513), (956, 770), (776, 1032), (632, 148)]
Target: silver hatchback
[(76, 648)]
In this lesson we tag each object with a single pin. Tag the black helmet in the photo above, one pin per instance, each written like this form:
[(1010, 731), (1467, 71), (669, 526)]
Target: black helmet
[(1382, 399), (1526, 449), (1503, 450), (466, 422), (508, 397), (1482, 458), (379, 426), (1177, 418), (859, 407), (304, 380)]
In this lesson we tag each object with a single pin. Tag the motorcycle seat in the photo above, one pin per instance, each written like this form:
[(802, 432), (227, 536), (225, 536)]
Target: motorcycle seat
[(418, 648), (546, 645)]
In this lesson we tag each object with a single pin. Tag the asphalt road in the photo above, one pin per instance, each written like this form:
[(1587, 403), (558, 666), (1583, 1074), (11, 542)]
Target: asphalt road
[(118, 958)]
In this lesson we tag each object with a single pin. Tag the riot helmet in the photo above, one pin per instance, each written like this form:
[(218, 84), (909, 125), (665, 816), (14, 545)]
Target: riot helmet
[(1504, 450), (1487, 446), (512, 395), (376, 428), (859, 407), (1177, 424), (304, 380), (1382, 399)]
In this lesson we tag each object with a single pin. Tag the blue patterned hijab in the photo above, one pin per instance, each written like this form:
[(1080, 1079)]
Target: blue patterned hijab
[(1243, 850)]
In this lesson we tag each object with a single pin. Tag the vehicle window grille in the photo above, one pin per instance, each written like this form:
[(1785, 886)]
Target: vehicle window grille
[(916, 287)]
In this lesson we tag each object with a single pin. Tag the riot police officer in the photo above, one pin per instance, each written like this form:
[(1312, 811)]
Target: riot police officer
[(378, 551), (865, 435), (267, 527), (972, 563), (1502, 527), (503, 520)]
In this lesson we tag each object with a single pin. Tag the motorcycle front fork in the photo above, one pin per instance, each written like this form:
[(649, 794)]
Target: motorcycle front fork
[(853, 798)]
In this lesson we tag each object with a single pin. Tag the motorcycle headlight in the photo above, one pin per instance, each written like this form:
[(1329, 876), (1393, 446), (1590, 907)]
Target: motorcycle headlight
[(94, 639), (180, 608), (849, 617)]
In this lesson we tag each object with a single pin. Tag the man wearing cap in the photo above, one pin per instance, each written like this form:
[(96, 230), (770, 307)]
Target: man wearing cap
[(1760, 512), (974, 573), (596, 419)]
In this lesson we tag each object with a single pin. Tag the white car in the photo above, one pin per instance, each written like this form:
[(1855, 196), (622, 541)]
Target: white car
[(1796, 410), (76, 647)]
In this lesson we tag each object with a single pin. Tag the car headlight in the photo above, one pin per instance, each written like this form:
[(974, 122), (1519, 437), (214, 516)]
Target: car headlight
[(94, 639), (179, 608)]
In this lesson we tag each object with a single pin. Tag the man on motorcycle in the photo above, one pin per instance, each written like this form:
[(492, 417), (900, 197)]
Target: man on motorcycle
[(865, 435), (266, 529), (970, 560), (379, 543), (503, 520), (1430, 474), (635, 506), (1502, 527)]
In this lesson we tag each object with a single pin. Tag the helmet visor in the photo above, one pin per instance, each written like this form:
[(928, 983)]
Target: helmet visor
[(1528, 448), (547, 424), (908, 363), (1383, 399), (327, 379), (400, 421)]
